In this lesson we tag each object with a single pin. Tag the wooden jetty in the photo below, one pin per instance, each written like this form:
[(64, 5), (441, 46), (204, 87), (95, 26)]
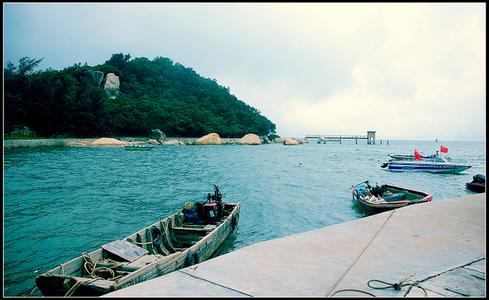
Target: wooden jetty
[(370, 137)]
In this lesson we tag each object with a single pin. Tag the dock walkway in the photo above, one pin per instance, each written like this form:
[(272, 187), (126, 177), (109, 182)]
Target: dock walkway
[(441, 244)]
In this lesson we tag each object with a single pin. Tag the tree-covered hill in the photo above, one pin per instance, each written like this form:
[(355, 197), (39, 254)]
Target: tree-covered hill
[(154, 94)]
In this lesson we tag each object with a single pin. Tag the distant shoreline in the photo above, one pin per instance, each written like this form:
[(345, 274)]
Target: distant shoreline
[(85, 142)]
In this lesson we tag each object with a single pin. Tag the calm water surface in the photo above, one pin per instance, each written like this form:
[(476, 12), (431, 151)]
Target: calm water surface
[(59, 202)]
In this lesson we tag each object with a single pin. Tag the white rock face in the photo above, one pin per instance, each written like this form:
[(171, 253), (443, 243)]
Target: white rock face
[(250, 139), (210, 139), (112, 85), (289, 141), (107, 142)]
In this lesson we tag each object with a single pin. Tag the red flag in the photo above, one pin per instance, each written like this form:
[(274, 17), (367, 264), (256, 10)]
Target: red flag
[(417, 156), (443, 149)]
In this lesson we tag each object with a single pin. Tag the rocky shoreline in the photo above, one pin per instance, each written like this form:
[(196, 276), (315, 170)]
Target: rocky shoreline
[(249, 139)]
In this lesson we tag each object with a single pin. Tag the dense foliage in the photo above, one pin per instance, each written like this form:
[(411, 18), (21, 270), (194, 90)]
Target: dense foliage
[(154, 94)]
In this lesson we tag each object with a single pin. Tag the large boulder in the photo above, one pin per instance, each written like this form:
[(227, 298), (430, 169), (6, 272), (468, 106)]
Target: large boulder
[(250, 139), (210, 139), (107, 142), (289, 141), (112, 85), (158, 135)]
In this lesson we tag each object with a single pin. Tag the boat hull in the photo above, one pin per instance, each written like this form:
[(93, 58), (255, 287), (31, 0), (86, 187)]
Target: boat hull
[(476, 187), (433, 168), (60, 280), (414, 197)]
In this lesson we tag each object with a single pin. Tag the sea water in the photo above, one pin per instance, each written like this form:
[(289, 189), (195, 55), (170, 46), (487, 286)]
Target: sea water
[(59, 202)]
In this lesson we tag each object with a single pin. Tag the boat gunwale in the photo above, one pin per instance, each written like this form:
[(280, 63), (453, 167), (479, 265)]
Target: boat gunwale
[(394, 204), (172, 257)]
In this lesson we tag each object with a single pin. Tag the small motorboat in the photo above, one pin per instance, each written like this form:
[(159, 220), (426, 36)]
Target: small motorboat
[(386, 196), (180, 240), (140, 147), (434, 165), (478, 184)]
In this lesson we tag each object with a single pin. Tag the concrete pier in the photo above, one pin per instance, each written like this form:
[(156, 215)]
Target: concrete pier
[(440, 244)]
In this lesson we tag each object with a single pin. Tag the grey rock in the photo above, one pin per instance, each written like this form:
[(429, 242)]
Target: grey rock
[(158, 135)]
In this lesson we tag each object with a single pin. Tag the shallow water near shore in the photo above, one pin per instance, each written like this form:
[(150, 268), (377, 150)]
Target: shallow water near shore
[(59, 202)]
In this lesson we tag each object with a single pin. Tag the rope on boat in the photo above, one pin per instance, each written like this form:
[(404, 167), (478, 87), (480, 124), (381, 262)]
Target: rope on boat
[(142, 243), (72, 290), (397, 286), (91, 268), (62, 269), (32, 291)]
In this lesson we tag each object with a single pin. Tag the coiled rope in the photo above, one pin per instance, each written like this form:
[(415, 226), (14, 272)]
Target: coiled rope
[(386, 285), (91, 269)]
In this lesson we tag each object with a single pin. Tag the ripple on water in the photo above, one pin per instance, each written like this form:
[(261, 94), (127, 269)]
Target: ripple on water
[(61, 202)]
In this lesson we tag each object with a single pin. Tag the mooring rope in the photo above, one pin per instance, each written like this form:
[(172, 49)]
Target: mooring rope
[(32, 291), (72, 290), (142, 243), (385, 285), (91, 268)]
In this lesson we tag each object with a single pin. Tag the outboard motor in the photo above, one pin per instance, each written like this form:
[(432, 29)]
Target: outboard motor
[(479, 178), (377, 190), (213, 207)]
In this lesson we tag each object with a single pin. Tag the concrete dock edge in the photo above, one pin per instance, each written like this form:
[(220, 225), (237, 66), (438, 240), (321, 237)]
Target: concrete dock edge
[(441, 245)]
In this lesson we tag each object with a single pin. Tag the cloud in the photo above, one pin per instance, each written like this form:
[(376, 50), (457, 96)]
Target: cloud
[(406, 70)]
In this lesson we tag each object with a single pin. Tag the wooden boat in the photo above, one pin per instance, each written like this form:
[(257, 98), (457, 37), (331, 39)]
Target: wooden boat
[(178, 241), (386, 196), (139, 147), (478, 184)]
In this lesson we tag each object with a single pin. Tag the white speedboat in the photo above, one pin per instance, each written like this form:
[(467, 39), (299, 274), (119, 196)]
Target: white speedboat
[(434, 165)]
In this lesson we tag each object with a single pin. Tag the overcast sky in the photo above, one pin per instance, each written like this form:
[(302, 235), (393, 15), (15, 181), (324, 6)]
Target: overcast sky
[(406, 70)]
